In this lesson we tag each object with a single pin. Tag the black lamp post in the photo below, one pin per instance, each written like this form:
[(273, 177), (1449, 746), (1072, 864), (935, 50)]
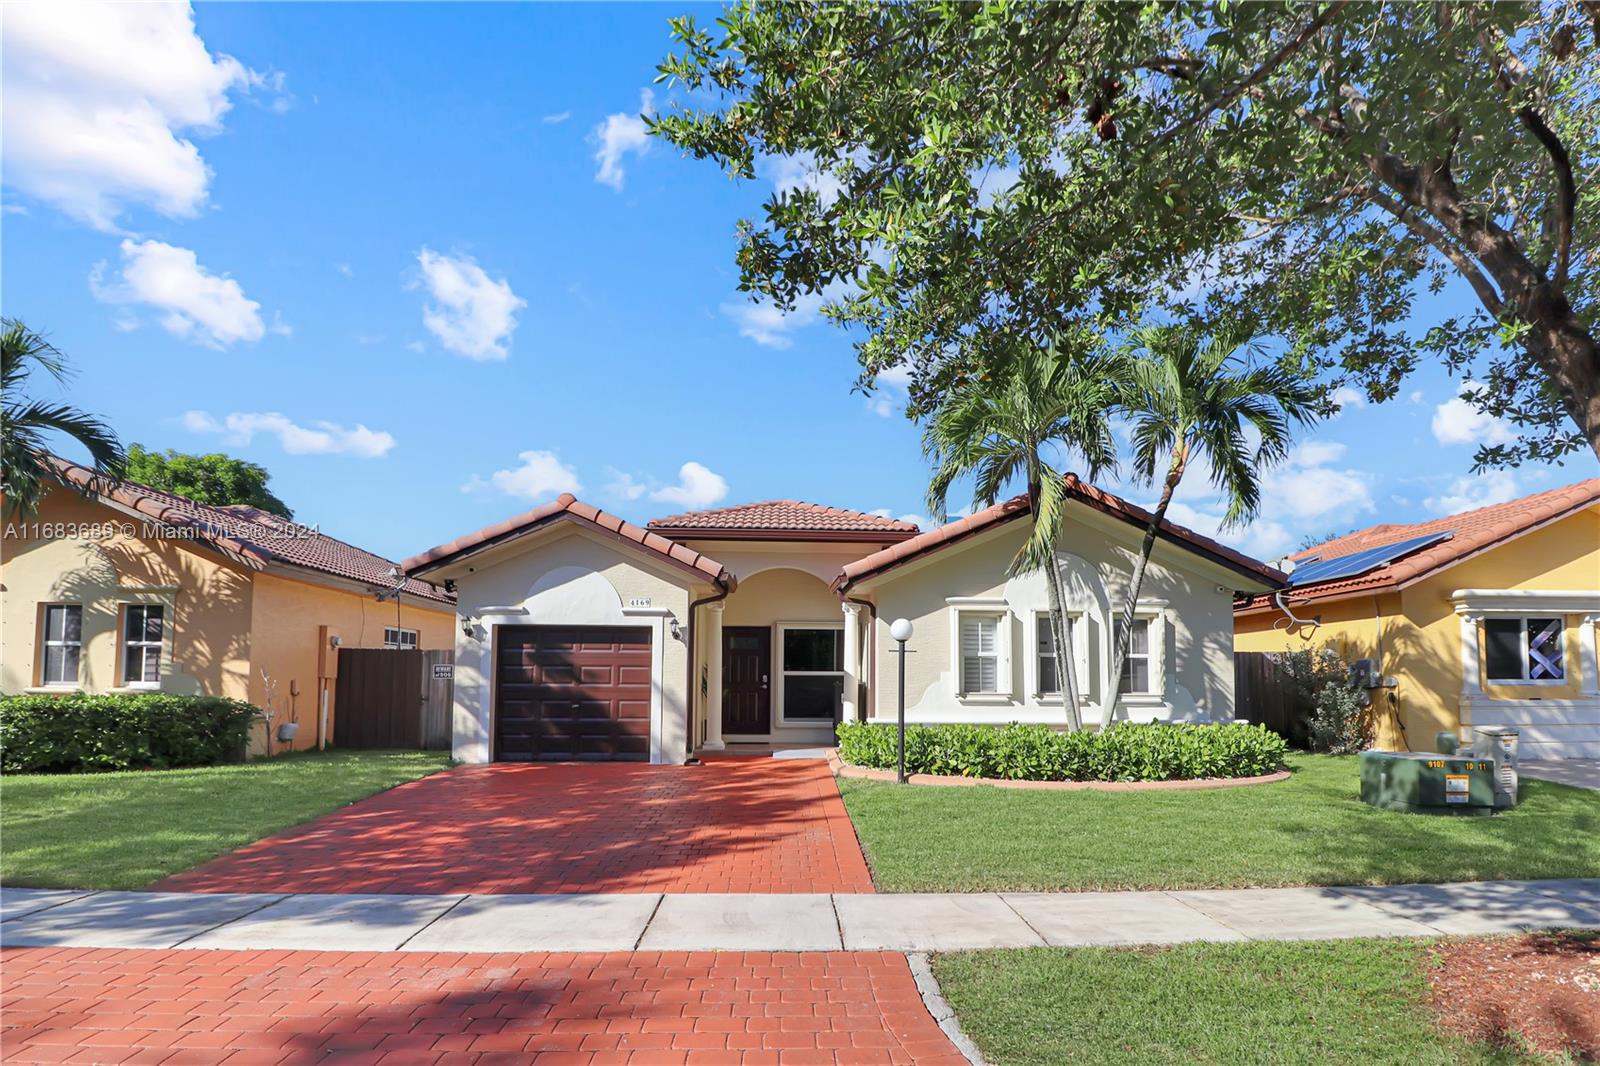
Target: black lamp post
[(901, 631)]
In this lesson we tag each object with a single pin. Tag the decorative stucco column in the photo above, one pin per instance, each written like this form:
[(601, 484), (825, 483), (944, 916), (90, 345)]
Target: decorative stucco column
[(1590, 661), (713, 676), (852, 661), (1471, 674)]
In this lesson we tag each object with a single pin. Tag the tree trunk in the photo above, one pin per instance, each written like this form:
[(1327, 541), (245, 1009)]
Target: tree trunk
[(1067, 677), (1066, 661), (1119, 655)]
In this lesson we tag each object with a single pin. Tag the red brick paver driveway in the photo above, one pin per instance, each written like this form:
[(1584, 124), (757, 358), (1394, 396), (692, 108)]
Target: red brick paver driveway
[(731, 825), (244, 1007)]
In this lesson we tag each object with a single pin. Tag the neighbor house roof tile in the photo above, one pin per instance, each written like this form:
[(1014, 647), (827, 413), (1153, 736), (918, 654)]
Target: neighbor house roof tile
[(790, 518), (249, 532), (566, 507), (1470, 532), (1017, 506)]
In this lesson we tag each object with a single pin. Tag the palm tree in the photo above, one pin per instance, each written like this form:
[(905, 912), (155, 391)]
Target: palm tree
[(1192, 396), (24, 458), (1059, 394)]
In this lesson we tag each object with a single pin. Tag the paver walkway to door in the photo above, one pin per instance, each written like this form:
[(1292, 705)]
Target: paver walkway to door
[(732, 825), (244, 1007)]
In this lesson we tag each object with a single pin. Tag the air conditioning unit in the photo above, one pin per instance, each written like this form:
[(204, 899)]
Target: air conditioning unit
[(1498, 743)]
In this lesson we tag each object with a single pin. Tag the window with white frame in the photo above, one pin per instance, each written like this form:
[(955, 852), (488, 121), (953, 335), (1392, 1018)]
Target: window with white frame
[(143, 625), (1141, 675), (981, 645), (813, 673), (63, 644), (1524, 650), (1049, 663), (404, 639)]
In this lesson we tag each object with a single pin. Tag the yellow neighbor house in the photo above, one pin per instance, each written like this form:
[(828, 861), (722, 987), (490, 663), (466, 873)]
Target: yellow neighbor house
[(1482, 618), (129, 588)]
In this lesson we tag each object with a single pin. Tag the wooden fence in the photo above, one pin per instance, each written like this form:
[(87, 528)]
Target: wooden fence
[(386, 698), (1264, 693)]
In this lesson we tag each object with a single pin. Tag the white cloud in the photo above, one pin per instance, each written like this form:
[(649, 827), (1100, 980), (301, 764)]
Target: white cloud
[(346, 269), (190, 302), (557, 118), (619, 135), (767, 325), (100, 100), (1264, 538), (1415, 396), (472, 314), (914, 518), (1346, 396), (882, 406), (623, 486), (541, 474), (697, 487), (1480, 490), (1459, 422), (321, 438)]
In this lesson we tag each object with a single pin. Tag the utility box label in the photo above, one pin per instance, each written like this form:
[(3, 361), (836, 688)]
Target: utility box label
[(444, 671), (1457, 788)]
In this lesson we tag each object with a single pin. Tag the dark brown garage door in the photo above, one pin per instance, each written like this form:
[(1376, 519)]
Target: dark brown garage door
[(572, 692)]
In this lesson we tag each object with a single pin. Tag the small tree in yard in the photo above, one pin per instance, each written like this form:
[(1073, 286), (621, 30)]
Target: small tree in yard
[(997, 427), (1334, 711), (1192, 398)]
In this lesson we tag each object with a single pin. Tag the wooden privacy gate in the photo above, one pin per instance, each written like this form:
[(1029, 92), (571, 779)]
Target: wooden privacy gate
[(1264, 693), (386, 698)]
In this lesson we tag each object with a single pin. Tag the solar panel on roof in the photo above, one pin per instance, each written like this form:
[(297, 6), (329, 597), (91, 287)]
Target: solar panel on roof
[(1357, 563)]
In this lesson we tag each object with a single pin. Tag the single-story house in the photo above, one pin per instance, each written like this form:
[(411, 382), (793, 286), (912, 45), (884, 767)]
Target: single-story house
[(1483, 618), (586, 636), (127, 588)]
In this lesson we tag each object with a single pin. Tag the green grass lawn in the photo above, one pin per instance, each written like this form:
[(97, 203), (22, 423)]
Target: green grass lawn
[(125, 830), (1350, 1001), (1312, 829)]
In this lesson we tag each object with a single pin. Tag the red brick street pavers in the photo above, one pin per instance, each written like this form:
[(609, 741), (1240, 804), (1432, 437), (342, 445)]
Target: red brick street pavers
[(283, 1007), (730, 825)]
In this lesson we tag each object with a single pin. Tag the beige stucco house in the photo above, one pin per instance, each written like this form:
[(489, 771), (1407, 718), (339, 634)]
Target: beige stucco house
[(127, 588), (584, 636)]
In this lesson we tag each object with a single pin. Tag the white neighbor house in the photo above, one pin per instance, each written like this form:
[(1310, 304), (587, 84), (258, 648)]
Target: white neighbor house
[(582, 636)]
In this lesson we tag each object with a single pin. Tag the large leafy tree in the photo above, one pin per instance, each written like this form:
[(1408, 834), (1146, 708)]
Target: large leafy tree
[(1317, 172), (1190, 399), (1043, 401), (27, 424), (214, 478)]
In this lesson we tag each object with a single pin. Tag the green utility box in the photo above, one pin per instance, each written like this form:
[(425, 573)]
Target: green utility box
[(1427, 782)]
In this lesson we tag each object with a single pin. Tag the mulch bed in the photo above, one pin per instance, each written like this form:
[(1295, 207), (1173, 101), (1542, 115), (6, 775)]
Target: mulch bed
[(1540, 990)]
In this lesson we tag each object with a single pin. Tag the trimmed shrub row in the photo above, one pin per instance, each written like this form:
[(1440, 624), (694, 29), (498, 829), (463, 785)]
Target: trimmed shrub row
[(154, 730), (1126, 751)]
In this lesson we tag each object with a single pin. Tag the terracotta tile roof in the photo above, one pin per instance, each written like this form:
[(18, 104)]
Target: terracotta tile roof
[(254, 535), (790, 519), (567, 507), (1471, 532), (1017, 506)]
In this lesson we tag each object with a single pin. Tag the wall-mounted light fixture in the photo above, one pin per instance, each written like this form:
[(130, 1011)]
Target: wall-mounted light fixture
[(677, 630), (467, 628)]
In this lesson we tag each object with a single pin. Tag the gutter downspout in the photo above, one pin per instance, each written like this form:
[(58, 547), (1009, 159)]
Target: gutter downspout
[(869, 659), (690, 689)]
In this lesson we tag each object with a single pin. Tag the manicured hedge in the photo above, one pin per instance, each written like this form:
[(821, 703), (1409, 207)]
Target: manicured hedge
[(154, 730), (1127, 751)]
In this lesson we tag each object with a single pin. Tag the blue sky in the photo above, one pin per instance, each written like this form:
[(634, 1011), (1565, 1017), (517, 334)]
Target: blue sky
[(420, 262)]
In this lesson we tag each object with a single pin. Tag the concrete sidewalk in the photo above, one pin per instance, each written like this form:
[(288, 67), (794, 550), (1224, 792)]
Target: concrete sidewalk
[(765, 922)]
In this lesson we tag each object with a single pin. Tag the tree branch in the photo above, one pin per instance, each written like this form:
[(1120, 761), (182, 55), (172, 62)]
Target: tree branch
[(1508, 74), (1442, 243), (1232, 92)]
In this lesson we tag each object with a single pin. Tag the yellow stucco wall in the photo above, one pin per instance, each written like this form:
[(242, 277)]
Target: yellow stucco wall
[(285, 620), (228, 622), (94, 556), (1421, 632)]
